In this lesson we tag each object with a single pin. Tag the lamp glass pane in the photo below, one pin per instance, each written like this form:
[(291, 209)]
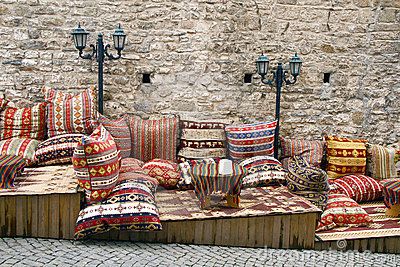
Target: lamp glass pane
[(262, 67)]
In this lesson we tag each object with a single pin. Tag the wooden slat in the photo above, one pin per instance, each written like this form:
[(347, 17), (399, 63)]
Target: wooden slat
[(43, 222), (54, 216), (277, 234), (10, 218), (310, 221), (28, 229), (21, 215), (3, 216), (225, 232), (268, 231), (285, 232), (294, 231), (258, 231), (74, 208), (64, 216), (209, 232), (242, 233), (35, 216), (198, 235)]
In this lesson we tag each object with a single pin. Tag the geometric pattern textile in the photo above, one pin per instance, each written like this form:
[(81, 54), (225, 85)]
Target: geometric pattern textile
[(202, 139), (391, 192), (23, 147), (10, 166), (312, 151), (345, 156), (358, 187), (57, 149), (130, 206), (23, 122), (131, 165), (307, 181), (96, 163), (166, 172), (70, 113), (249, 140), (381, 162), (156, 138), (342, 211), (263, 171)]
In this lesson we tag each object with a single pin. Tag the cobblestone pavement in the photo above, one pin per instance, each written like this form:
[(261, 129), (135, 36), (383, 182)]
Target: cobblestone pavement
[(47, 252)]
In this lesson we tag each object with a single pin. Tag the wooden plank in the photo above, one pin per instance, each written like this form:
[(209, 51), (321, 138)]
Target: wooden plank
[(43, 219), (10, 218), (225, 232), (64, 216), (268, 231), (28, 229), (35, 216), (294, 231), (198, 235), (2, 216), (380, 245), (276, 232), (209, 232), (74, 208), (173, 232), (235, 231), (258, 231), (356, 245), (189, 232), (54, 216), (218, 232), (310, 223), (243, 231), (285, 234)]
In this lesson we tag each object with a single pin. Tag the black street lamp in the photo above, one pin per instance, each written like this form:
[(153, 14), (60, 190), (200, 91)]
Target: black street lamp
[(99, 52), (279, 76)]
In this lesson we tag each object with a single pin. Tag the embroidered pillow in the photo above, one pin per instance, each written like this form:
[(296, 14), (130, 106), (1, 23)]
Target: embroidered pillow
[(263, 171), (166, 172), (381, 162), (201, 139), (23, 147), (342, 211), (96, 163), (151, 139), (345, 156), (23, 122), (358, 187), (119, 130), (57, 149), (249, 140), (311, 151), (70, 113)]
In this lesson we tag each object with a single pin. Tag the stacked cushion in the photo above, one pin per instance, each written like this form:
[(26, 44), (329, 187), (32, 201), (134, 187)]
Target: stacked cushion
[(166, 172), (96, 163), (249, 140), (381, 161), (345, 156), (151, 139), (70, 113), (201, 139), (263, 171), (23, 122), (57, 149), (311, 151), (307, 181), (23, 147)]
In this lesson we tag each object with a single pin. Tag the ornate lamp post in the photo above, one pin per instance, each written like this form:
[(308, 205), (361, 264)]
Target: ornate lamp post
[(100, 52), (279, 76)]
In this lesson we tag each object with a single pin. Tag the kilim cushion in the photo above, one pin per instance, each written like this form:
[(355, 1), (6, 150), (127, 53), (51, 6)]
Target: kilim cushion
[(307, 181), (10, 167), (358, 187), (153, 139), (70, 113), (131, 165), (23, 122), (201, 139), (141, 178), (263, 171), (249, 140), (130, 206), (345, 156), (342, 211), (57, 149), (166, 172), (23, 147), (96, 163), (312, 151), (381, 162), (119, 130)]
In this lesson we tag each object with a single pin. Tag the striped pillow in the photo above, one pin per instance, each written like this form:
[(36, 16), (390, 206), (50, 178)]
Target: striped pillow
[(96, 162), (119, 130), (311, 151), (23, 147), (381, 162), (151, 139), (23, 122), (10, 167), (70, 113), (249, 140)]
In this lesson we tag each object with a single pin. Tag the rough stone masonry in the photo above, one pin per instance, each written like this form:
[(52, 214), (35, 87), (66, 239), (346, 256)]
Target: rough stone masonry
[(197, 53)]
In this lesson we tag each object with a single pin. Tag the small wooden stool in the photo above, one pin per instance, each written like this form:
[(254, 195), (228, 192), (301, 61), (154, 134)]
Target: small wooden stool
[(391, 193)]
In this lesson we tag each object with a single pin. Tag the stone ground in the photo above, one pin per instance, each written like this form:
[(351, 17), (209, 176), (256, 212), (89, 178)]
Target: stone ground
[(48, 252)]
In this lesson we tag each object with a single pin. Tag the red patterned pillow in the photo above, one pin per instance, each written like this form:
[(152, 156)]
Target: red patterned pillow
[(96, 163), (342, 211), (358, 187), (131, 165), (23, 147), (166, 172), (311, 151), (23, 122), (70, 113)]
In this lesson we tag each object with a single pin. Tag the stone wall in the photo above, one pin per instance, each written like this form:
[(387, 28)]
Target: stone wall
[(197, 53)]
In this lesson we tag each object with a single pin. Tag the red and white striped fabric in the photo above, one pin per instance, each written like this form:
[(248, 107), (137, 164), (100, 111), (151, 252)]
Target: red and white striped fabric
[(358, 187)]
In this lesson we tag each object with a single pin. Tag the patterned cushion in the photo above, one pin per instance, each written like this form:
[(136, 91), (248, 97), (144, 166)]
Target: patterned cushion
[(154, 138), (10, 166), (23, 122), (141, 178), (131, 165), (345, 156), (312, 151), (23, 147), (166, 172), (342, 211), (119, 130), (57, 149), (358, 187), (381, 162), (130, 206), (185, 181), (201, 139), (249, 140), (263, 171), (96, 164), (70, 113), (307, 181)]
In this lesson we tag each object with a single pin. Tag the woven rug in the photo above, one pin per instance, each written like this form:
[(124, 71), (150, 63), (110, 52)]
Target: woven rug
[(44, 180), (381, 227), (184, 205)]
